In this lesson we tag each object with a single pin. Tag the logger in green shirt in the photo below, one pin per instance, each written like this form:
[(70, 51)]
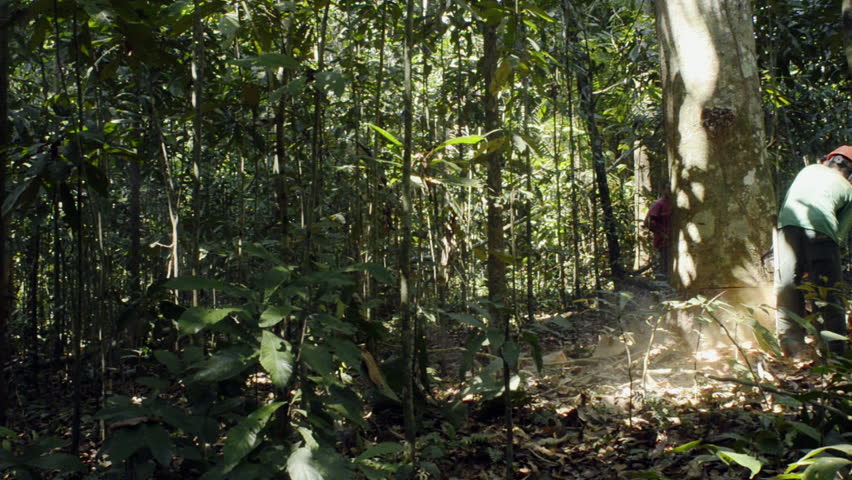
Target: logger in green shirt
[(814, 220)]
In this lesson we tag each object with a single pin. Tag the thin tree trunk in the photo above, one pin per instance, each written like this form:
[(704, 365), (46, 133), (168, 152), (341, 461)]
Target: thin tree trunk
[(172, 199), (58, 285), (846, 15), (560, 231), (375, 182), (6, 297), (197, 151), (575, 218), (588, 106), (496, 268), (405, 246), (313, 204), (33, 288), (569, 40), (77, 328)]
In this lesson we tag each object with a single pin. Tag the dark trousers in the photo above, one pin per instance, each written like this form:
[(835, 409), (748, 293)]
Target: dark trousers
[(806, 256)]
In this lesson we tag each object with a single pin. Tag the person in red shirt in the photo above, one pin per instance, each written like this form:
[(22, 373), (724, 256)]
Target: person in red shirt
[(657, 221)]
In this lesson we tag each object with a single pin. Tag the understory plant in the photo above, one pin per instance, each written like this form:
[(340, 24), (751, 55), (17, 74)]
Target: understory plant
[(259, 385), (815, 428)]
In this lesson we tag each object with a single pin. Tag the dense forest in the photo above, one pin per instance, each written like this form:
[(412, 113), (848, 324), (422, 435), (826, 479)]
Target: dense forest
[(317, 239)]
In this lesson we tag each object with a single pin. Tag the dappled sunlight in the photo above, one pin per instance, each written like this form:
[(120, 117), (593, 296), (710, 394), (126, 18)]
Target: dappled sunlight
[(699, 64), (709, 355)]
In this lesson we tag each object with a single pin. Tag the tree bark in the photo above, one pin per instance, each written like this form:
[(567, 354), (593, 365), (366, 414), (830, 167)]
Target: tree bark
[(587, 109), (77, 326), (197, 141), (34, 257), (846, 14), (312, 210), (6, 297), (721, 182), (496, 268), (642, 194), (405, 246)]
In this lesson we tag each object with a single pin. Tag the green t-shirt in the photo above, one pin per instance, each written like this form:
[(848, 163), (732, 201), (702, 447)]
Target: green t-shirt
[(819, 199)]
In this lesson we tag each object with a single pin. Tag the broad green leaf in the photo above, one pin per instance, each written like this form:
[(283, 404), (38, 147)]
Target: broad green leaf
[(159, 443), (560, 321), (495, 338), (246, 435), (807, 430), (467, 319), (345, 350), (501, 76), (385, 134), (648, 475), (431, 468), (825, 468), (116, 413), (317, 464), (170, 360), (468, 140), (274, 314), (474, 343), (223, 365), (347, 403), (318, 358), (687, 446), (157, 383), (42, 446), (260, 251), (63, 462), (96, 179), (301, 465), (276, 359), (331, 81), (380, 450), (535, 346), (229, 25), (269, 61), (196, 319), (193, 283), (329, 279), (744, 460), (765, 338), (271, 280), (123, 443), (377, 271), (845, 448), (179, 418), (538, 12), (828, 335), (510, 353), (24, 193), (459, 181), (331, 322)]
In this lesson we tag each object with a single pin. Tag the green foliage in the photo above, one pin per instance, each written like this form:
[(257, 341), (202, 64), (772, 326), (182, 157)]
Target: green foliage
[(256, 334), (822, 414), (244, 437), (725, 455), (30, 461)]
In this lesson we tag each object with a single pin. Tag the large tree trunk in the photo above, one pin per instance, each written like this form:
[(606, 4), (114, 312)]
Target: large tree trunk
[(720, 179)]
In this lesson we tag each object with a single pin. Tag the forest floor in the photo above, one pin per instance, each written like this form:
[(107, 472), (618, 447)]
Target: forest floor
[(618, 394), (611, 402)]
